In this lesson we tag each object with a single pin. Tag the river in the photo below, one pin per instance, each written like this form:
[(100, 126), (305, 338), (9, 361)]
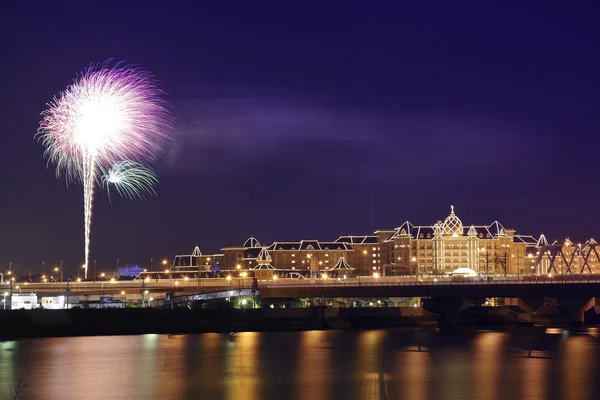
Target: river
[(314, 365)]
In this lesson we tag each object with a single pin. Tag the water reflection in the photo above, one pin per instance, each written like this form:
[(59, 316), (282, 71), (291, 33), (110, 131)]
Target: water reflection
[(373, 378), (315, 374), (242, 367), (306, 366), (487, 363)]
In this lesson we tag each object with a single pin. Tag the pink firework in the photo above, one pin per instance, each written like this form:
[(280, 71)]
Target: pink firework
[(109, 114)]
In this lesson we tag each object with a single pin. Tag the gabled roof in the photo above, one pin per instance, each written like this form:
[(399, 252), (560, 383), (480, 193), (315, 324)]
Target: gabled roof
[(342, 264), (405, 230), (496, 229), (196, 252), (263, 260)]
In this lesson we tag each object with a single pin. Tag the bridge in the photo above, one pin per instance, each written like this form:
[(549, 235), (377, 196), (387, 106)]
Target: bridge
[(444, 289)]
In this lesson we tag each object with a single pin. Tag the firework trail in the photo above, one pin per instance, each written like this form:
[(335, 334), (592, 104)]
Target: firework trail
[(130, 179), (111, 113)]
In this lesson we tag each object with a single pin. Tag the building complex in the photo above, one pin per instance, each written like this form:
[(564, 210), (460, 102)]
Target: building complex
[(420, 250)]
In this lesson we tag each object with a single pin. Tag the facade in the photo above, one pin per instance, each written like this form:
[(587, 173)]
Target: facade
[(443, 247), (417, 250)]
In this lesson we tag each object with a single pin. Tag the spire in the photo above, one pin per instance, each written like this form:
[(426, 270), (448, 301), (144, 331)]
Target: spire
[(472, 231), (451, 209), (542, 241), (196, 252)]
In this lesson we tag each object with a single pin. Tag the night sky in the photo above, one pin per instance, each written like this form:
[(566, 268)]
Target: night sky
[(308, 120)]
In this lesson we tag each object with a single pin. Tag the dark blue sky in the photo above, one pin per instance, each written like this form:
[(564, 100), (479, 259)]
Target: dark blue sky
[(309, 120)]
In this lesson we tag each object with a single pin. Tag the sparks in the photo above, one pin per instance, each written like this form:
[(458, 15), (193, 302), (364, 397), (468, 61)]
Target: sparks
[(130, 179), (109, 115)]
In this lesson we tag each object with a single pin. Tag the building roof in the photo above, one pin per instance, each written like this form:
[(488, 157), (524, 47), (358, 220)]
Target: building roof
[(367, 239), (452, 226), (308, 245), (263, 260), (251, 242), (527, 239)]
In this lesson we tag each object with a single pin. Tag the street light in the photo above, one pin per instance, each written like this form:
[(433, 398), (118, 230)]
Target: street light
[(375, 275)]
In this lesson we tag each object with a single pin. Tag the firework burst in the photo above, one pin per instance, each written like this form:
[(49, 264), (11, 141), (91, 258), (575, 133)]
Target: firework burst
[(130, 180), (110, 114)]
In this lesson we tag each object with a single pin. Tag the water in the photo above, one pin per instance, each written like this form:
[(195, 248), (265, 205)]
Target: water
[(307, 366)]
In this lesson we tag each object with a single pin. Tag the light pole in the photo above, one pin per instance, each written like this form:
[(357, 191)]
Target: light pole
[(10, 280), (57, 269), (243, 275), (164, 263), (102, 275), (67, 291)]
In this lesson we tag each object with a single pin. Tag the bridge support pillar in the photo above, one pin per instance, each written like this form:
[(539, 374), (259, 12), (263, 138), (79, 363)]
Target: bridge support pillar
[(447, 310), (576, 308)]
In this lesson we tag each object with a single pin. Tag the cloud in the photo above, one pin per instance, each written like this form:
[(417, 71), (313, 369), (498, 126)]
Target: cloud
[(226, 136)]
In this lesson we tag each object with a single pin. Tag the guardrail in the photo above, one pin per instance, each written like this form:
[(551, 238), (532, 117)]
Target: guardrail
[(434, 283)]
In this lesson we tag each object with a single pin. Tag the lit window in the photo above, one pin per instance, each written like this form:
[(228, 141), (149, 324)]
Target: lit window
[(374, 268), (374, 261), (374, 255), (293, 261), (326, 261), (374, 248), (293, 255), (326, 255)]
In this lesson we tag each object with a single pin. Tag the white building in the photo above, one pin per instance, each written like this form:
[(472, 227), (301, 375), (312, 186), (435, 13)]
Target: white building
[(24, 301), (54, 303)]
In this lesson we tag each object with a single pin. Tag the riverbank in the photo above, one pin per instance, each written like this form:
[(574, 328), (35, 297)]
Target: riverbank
[(94, 322), (91, 322)]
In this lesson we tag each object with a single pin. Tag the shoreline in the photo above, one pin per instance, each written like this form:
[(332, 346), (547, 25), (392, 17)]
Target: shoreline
[(20, 324)]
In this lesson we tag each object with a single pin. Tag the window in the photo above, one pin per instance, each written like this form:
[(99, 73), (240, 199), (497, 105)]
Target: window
[(374, 248), (326, 255), (293, 255), (326, 261), (374, 255), (374, 261), (293, 261)]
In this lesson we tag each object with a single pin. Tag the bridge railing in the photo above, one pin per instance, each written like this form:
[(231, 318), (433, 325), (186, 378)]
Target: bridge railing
[(557, 281)]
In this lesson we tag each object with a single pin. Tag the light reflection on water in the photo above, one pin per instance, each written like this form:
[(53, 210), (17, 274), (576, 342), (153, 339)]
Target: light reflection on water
[(313, 365)]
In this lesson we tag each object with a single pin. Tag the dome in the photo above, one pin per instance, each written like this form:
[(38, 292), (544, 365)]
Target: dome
[(453, 225), (251, 242)]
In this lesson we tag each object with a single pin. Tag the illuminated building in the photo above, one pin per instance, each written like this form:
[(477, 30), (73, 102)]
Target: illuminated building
[(418, 250), (446, 246)]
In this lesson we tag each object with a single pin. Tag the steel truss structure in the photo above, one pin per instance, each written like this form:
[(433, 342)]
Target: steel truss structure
[(567, 256)]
